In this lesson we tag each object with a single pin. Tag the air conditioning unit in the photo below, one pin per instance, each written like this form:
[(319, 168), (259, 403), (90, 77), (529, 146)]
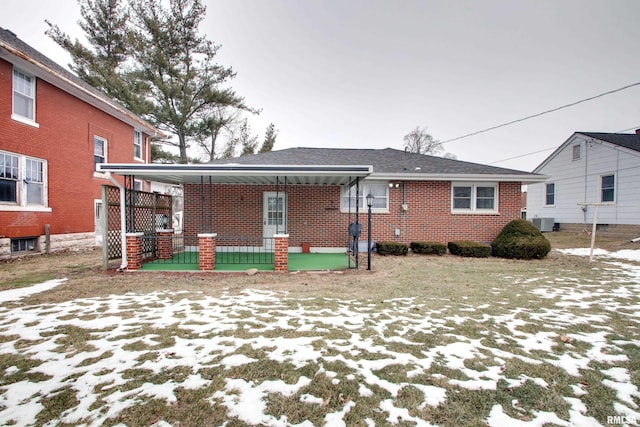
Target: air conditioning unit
[(543, 224)]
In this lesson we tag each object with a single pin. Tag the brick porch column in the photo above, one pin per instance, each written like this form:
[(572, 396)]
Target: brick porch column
[(165, 243), (134, 251), (207, 247), (281, 244)]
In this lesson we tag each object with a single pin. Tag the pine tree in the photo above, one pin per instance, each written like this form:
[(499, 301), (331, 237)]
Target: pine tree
[(269, 139), (150, 56)]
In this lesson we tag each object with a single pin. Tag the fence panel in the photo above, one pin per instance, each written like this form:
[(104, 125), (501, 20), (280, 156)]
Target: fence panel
[(244, 250), (144, 212)]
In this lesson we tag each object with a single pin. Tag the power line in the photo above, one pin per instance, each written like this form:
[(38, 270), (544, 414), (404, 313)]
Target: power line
[(551, 148), (542, 113), (524, 155)]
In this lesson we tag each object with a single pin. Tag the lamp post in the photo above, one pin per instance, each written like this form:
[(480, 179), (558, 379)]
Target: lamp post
[(370, 198)]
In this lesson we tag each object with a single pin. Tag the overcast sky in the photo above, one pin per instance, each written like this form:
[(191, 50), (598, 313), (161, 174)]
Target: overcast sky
[(362, 74)]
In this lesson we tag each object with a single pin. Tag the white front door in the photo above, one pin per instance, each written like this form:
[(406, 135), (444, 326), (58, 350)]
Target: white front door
[(274, 216)]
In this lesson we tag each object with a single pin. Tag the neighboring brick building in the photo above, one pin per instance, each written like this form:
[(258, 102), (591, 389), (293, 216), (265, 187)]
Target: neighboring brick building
[(306, 194), (54, 128)]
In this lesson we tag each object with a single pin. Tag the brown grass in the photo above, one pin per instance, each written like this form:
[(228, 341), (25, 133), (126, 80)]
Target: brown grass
[(391, 277), (440, 287)]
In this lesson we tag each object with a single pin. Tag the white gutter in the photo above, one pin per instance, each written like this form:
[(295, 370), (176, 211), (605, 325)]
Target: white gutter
[(525, 177), (123, 223)]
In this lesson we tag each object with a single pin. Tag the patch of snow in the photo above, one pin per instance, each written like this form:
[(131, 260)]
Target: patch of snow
[(626, 391), (337, 418), (400, 414), (498, 418), (310, 399), (236, 360), (19, 293), (617, 374)]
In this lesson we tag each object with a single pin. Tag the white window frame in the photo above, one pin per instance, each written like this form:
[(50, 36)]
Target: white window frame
[(576, 152), (473, 209), (615, 180), (546, 193), (105, 150), (138, 143), (19, 75), (365, 187), (21, 203)]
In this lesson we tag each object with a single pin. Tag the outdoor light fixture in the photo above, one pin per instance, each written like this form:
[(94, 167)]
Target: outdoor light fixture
[(370, 198)]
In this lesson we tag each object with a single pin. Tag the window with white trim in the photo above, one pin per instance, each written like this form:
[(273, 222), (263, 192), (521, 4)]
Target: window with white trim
[(24, 96), (9, 178), (23, 181), (576, 152), (380, 191), (474, 197), (99, 150), (550, 194), (608, 188), (34, 181), (137, 144)]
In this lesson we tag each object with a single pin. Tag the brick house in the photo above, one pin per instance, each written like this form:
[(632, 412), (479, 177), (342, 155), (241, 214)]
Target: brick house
[(54, 129), (312, 195)]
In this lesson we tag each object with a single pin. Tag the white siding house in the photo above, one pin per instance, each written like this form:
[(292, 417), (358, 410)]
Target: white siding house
[(590, 168)]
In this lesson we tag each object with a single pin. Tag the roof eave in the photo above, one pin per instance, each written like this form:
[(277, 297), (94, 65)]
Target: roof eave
[(237, 173), (527, 178), (64, 83)]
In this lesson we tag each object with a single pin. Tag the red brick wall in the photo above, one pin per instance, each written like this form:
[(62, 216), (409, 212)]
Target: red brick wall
[(65, 140), (314, 214)]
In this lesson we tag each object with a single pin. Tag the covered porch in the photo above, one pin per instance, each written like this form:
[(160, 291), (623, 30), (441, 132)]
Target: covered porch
[(238, 217)]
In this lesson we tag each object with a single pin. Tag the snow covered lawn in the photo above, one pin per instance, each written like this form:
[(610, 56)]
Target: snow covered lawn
[(535, 350)]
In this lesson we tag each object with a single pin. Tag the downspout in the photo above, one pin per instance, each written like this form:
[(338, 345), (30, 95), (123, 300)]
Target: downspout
[(123, 223)]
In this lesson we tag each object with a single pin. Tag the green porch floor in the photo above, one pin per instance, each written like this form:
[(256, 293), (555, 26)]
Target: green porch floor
[(189, 261)]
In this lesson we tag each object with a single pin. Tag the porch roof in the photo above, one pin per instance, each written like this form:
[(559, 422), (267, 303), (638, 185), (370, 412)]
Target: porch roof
[(232, 173)]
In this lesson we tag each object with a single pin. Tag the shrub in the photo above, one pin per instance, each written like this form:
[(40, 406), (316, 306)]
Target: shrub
[(520, 239), (469, 249), (428, 248), (392, 248)]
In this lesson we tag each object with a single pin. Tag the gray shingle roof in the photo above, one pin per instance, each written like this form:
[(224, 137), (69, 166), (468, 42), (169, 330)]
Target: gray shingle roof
[(626, 140), (384, 161)]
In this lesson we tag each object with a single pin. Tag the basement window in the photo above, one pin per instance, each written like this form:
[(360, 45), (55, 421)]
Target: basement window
[(24, 244)]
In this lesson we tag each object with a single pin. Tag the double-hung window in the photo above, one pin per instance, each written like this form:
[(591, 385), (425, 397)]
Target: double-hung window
[(99, 150), (34, 181), (550, 194), (23, 182), (379, 190), (474, 197), (9, 178), (137, 145), (24, 97), (608, 188)]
